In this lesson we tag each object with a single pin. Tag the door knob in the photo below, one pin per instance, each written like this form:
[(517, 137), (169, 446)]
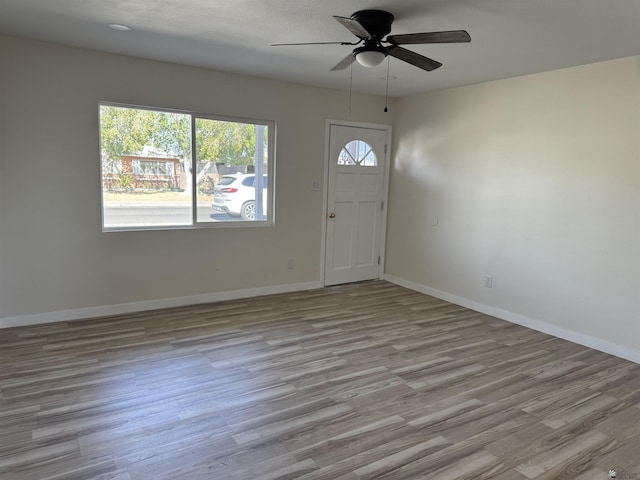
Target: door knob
[(332, 215)]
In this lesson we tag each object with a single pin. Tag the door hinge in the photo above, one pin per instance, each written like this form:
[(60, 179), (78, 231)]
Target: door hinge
[(385, 148), (378, 259), (381, 205)]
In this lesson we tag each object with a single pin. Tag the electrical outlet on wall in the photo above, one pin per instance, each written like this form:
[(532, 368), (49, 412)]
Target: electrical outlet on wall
[(291, 264), (488, 281)]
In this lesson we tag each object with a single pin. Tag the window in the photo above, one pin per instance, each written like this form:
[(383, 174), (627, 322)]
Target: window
[(250, 181), (357, 152), (148, 181), (147, 167)]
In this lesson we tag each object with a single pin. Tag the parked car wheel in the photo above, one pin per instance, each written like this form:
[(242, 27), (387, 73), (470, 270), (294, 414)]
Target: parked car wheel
[(248, 210)]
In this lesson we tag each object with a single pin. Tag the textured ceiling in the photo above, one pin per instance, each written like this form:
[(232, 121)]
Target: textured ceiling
[(509, 37)]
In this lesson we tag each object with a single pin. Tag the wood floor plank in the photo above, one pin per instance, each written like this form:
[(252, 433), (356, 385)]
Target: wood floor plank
[(354, 382)]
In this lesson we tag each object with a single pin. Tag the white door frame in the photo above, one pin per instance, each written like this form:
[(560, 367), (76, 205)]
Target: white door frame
[(325, 189)]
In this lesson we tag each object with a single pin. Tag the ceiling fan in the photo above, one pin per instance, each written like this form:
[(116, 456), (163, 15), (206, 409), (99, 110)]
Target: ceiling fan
[(371, 26)]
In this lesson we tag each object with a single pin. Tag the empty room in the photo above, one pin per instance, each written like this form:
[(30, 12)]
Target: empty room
[(276, 240)]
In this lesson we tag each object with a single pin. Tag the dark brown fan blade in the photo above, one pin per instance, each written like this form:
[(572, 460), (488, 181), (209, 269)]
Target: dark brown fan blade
[(354, 27), (344, 63), (413, 58), (451, 36), (312, 43)]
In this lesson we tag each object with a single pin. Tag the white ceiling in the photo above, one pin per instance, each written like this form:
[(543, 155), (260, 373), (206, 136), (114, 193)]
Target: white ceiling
[(509, 37)]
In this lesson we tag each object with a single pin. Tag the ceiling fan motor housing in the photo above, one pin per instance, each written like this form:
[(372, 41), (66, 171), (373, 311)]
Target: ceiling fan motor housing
[(376, 22)]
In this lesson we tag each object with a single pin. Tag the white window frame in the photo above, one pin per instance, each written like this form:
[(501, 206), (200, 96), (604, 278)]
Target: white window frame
[(269, 221)]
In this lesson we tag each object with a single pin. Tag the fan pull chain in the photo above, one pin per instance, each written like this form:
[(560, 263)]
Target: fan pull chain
[(386, 94), (350, 85)]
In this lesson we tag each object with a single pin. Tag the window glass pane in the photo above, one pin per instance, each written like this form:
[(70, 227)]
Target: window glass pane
[(229, 157), (357, 152), (145, 159)]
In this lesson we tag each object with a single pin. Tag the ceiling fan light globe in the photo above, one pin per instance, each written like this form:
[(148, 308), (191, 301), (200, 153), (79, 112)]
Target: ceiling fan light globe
[(370, 58)]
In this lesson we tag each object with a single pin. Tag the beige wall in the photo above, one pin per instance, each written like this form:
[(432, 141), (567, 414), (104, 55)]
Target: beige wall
[(534, 180), (53, 254)]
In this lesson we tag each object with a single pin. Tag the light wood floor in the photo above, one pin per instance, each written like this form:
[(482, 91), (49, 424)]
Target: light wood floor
[(355, 382)]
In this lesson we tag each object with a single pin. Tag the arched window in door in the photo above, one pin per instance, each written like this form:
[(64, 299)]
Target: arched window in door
[(357, 152)]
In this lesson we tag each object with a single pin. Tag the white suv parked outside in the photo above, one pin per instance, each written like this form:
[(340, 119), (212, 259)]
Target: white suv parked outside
[(236, 194)]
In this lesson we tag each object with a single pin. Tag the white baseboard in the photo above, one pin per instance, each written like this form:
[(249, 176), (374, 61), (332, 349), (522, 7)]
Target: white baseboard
[(596, 343), (122, 308)]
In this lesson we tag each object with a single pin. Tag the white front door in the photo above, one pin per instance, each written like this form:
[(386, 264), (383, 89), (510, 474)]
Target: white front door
[(355, 209)]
